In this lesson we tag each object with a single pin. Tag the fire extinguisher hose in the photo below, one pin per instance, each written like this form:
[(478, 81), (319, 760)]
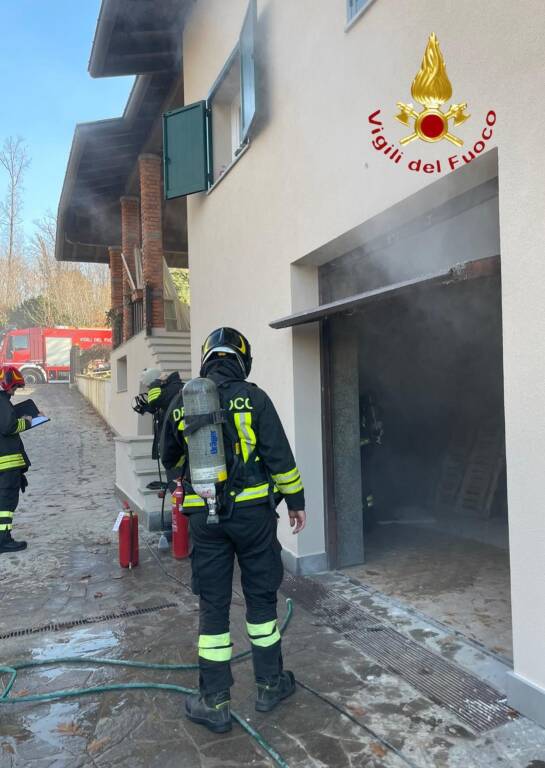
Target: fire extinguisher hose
[(13, 669)]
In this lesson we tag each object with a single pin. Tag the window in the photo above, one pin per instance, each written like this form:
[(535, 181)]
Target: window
[(19, 342), (138, 269), (354, 8), (16, 343), (224, 105), (202, 140), (121, 371)]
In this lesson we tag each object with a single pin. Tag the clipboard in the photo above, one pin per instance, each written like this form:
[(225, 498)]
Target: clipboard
[(37, 420)]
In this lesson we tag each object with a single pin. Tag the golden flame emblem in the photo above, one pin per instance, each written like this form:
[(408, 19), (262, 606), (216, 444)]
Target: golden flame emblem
[(431, 87)]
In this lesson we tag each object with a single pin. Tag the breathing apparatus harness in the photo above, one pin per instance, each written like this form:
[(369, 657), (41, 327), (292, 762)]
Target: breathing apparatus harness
[(238, 475)]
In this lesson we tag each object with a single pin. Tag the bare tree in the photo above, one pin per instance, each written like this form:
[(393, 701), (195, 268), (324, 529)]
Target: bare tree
[(15, 161), (73, 294)]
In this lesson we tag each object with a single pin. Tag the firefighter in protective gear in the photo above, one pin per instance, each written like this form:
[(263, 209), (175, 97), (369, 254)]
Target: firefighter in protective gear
[(261, 472), (161, 390), (13, 459), (371, 434)]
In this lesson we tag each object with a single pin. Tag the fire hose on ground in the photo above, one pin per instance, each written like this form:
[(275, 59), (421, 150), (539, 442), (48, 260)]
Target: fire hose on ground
[(13, 669)]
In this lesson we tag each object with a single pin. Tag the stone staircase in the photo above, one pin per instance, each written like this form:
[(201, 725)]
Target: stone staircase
[(171, 351), (134, 470)]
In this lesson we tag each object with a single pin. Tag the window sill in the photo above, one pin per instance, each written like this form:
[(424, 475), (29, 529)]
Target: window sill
[(358, 16), (233, 162)]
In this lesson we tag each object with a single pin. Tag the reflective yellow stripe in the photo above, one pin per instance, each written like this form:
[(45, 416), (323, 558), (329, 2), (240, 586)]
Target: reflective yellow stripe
[(265, 642), (181, 461), (193, 500), (6, 520), (287, 477), (289, 482), (12, 461), (153, 394), (21, 425), (256, 492), (181, 427), (292, 488), (243, 423), (261, 629), (214, 641), (215, 647), (264, 635), (216, 654)]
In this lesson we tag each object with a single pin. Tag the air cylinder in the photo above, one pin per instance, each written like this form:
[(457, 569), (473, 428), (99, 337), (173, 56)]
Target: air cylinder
[(205, 446)]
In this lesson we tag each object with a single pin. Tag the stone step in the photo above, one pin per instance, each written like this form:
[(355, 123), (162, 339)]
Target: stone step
[(161, 341), (175, 338), (145, 463), (173, 362), (170, 349), (185, 375), (141, 449), (169, 344)]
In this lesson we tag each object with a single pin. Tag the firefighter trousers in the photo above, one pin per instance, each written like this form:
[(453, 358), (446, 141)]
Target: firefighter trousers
[(250, 534), (10, 485)]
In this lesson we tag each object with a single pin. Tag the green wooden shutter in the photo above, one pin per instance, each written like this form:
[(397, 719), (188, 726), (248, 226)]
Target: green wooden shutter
[(247, 70), (185, 150)]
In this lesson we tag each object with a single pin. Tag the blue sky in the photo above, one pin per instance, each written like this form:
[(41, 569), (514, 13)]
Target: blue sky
[(46, 89)]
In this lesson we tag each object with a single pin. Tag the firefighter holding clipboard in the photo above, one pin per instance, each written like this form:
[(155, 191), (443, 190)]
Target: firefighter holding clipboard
[(14, 462)]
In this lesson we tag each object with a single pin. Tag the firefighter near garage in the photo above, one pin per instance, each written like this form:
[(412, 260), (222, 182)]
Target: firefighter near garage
[(371, 436), (14, 461), (228, 443)]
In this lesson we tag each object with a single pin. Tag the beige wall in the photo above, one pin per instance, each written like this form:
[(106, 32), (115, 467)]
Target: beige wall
[(123, 419), (98, 392), (311, 175)]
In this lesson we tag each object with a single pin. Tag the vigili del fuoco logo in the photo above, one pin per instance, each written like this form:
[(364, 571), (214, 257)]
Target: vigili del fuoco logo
[(431, 88)]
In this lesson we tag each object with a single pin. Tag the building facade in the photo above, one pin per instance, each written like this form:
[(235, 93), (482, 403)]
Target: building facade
[(357, 262)]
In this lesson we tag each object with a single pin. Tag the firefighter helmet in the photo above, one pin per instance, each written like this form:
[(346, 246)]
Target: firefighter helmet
[(231, 342), (11, 377)]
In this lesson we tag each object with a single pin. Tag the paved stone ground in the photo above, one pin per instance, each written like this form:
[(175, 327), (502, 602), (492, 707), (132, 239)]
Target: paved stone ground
[(70, 572)]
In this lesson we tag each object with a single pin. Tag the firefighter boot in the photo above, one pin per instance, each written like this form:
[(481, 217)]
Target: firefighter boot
[(272, 691), (7, 544), (213, 710)]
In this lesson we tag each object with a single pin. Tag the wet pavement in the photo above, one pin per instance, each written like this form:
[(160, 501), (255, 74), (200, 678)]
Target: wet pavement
[(70, 573)]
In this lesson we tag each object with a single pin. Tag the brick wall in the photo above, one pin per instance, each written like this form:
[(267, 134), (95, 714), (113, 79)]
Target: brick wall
[(130, 238), (151, 195), (116, 301), (116, 277)]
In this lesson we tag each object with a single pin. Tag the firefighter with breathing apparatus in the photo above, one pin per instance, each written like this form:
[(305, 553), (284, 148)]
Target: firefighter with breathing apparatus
[(161, 390), (225, 436), (13, 460)]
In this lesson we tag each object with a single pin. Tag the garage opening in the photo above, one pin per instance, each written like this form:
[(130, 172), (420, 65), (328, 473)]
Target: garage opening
[(419, 496), (414, 455), (422, 371)]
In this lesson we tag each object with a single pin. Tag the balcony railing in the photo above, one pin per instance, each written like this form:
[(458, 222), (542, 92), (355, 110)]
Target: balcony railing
[(137, 316)]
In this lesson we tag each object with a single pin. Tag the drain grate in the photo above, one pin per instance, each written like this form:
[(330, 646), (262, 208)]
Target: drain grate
[(58, 626), (475, 702)]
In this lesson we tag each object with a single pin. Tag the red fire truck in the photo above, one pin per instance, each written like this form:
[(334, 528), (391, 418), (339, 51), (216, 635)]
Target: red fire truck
[(43, 354)]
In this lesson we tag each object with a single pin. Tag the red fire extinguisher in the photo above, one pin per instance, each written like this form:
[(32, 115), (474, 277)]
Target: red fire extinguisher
[(128, 538), (180, 527)]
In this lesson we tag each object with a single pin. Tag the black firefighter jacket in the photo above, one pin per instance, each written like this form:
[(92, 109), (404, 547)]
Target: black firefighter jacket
[(160, 395), (12, 452), (260, 464)]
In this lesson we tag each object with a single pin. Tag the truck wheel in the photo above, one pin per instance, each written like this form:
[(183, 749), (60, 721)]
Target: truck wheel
[(33, 376)]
